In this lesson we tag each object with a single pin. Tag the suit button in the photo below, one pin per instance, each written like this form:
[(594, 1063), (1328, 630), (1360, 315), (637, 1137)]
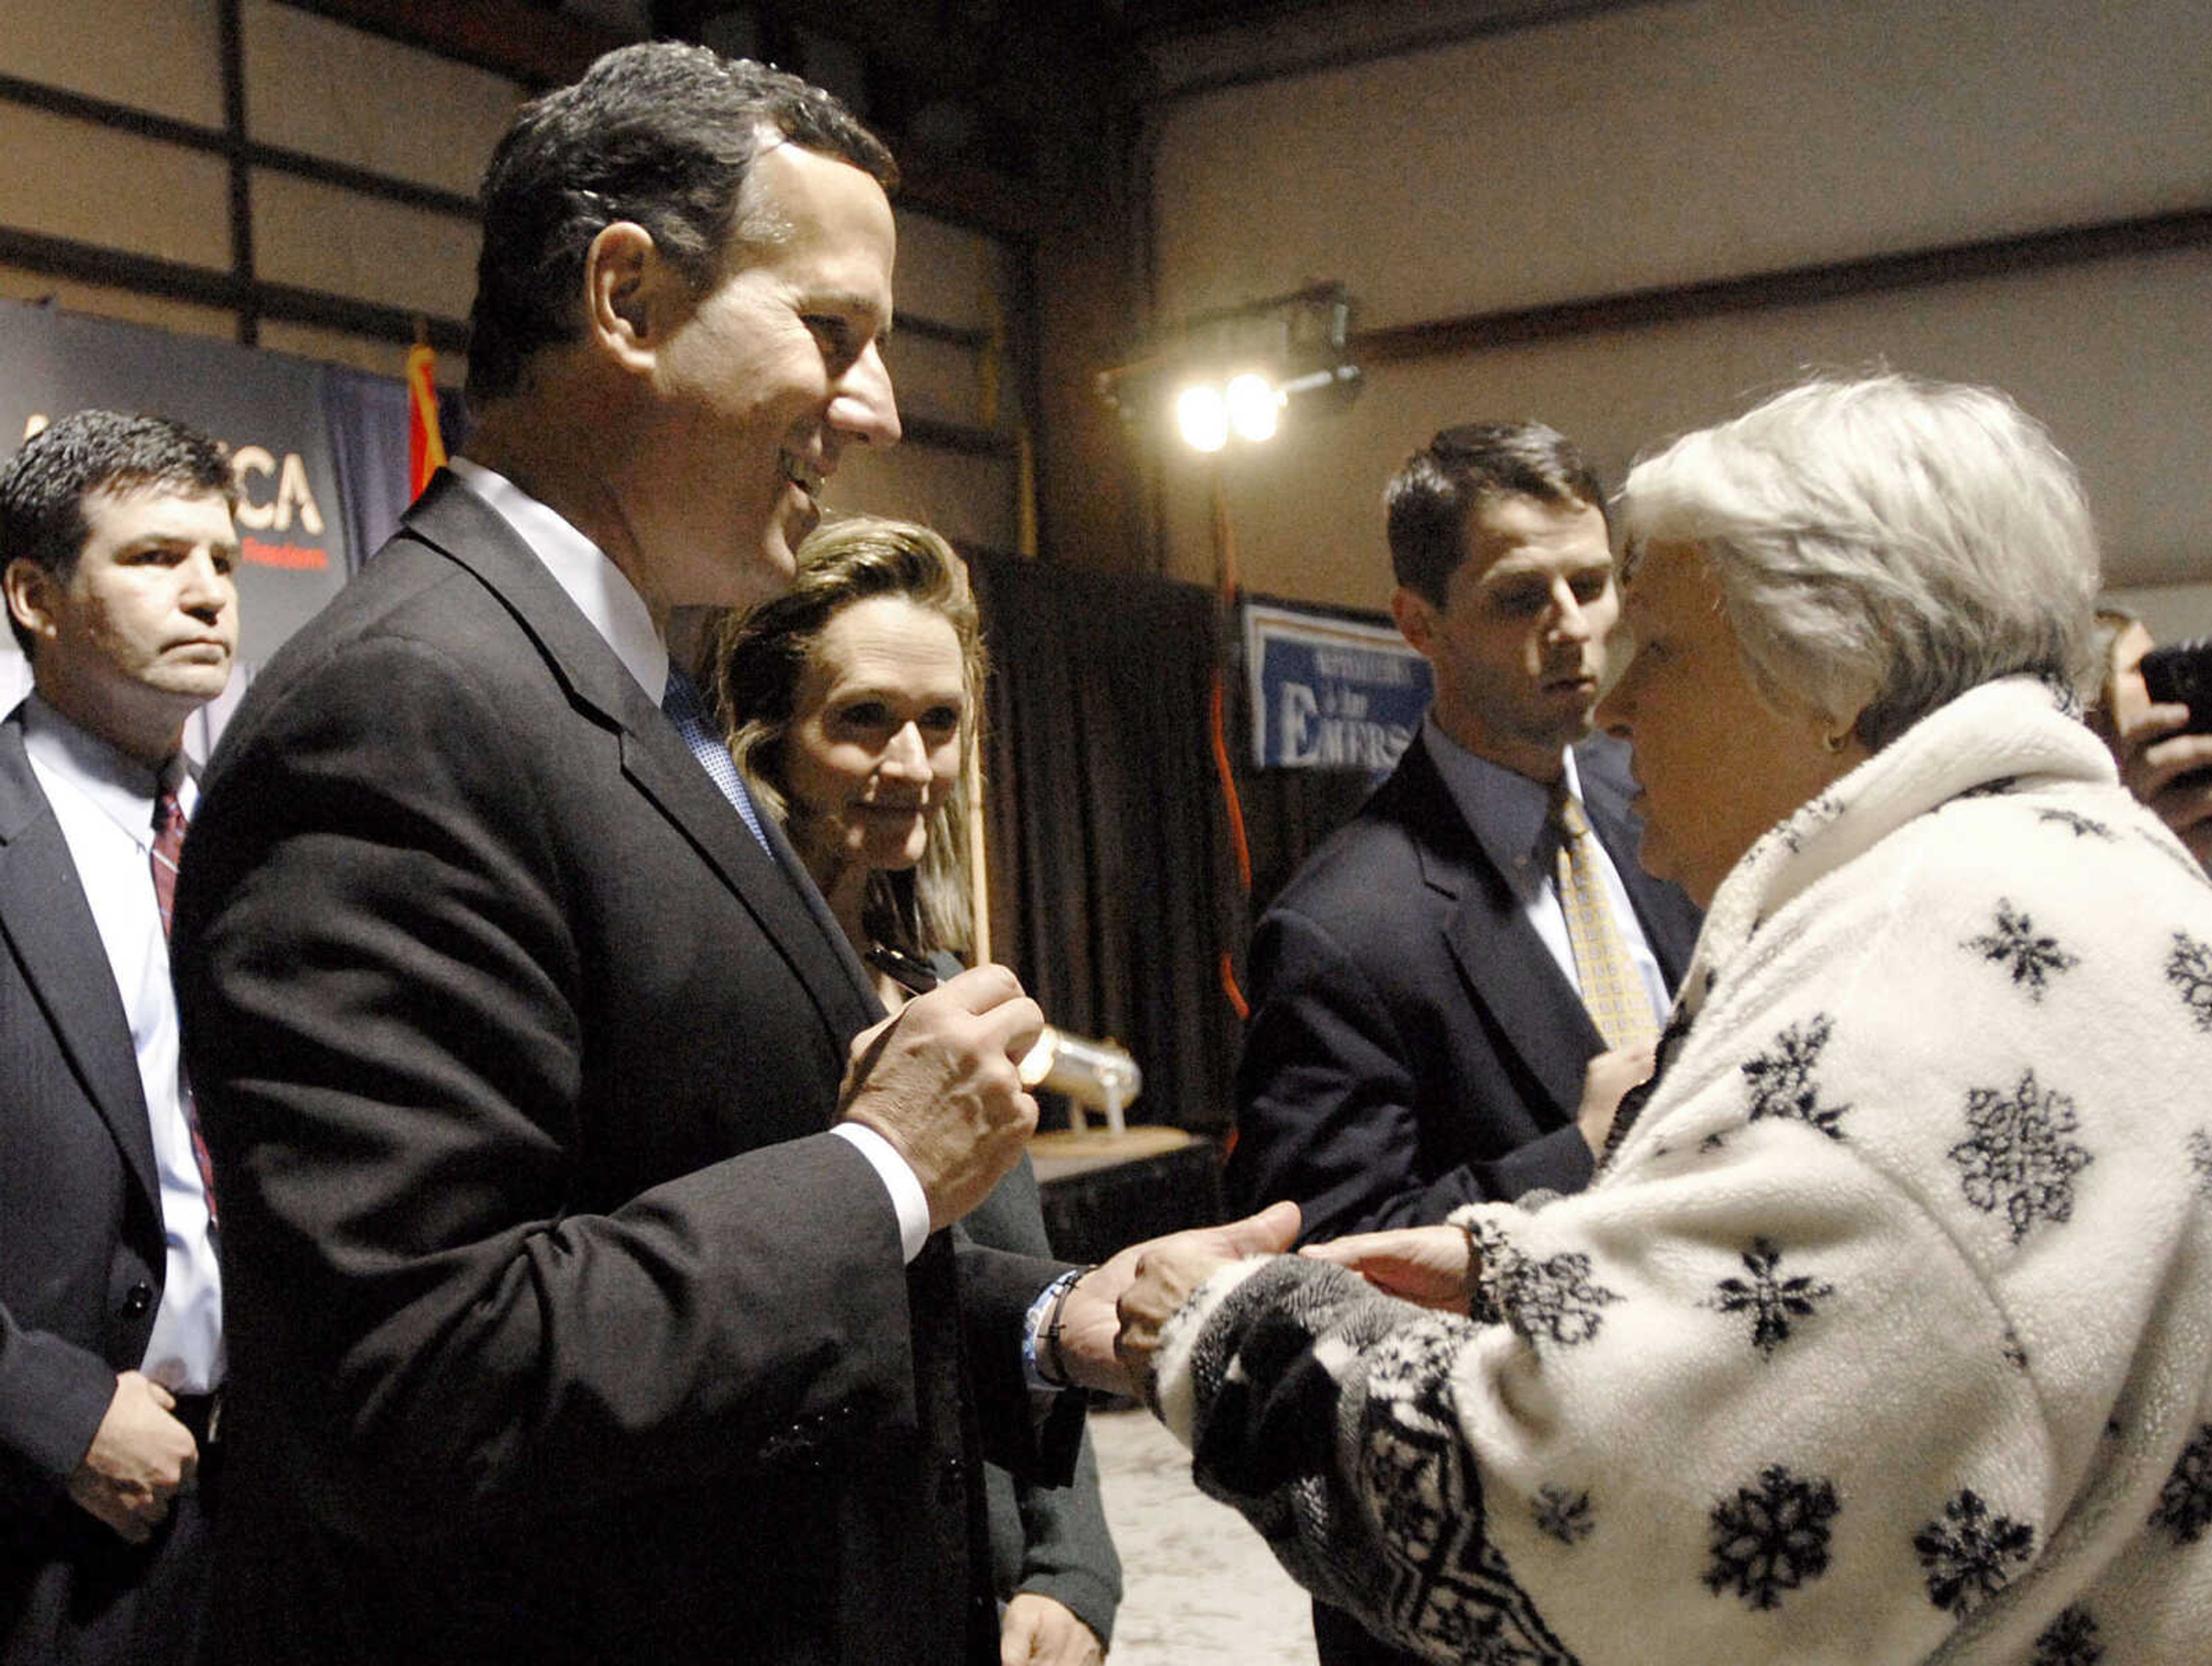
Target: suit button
[(137, 1300), (950, 1481)]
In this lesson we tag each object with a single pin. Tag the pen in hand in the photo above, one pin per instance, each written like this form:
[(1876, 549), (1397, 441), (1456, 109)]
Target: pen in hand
[(911, 975)]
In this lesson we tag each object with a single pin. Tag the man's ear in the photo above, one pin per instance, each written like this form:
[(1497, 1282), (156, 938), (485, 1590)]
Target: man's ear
[(30, 595), (1417, 618), (632, 296)]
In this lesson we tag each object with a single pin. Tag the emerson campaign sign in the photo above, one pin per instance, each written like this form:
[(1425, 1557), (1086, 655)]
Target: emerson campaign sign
[(1330, 690)]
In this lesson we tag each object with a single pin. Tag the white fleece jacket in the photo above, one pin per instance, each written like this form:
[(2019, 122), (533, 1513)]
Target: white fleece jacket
[(1884, 1334)]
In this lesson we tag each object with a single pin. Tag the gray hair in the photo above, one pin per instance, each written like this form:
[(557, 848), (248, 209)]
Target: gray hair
[(1882, 545)]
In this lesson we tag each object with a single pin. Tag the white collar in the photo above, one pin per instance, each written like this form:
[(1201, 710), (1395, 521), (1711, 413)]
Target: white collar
[(601, 591), (119, 786), (1510, 813), (1985, 740)]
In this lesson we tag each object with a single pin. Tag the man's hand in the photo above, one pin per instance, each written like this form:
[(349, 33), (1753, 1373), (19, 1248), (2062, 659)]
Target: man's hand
[(140, 1456), (1095, 1320), (2171, 772), (1605, 1084), (1039, 1632), (938, 1081), (1433, 1266)]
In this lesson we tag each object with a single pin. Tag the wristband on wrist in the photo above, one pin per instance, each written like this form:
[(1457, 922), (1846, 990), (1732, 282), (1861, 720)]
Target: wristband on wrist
[(1044, 1338)]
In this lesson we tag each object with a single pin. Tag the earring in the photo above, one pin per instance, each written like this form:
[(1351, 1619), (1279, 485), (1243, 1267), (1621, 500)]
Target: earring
[(1837, 742)]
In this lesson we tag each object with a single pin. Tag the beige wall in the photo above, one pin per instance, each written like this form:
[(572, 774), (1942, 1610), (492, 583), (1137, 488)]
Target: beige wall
[(951, 277), (1674, 143), (336, 94)]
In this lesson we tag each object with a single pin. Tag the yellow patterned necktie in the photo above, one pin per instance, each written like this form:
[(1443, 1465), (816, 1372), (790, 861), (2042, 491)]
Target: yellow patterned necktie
[(1613, 991)]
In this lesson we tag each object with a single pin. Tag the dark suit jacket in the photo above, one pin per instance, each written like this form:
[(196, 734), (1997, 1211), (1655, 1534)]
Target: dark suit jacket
[(82, 1259), (1414, 1046), (561, 1329)]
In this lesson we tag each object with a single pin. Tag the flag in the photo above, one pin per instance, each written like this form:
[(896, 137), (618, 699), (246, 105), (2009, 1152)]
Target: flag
[(426, 446)]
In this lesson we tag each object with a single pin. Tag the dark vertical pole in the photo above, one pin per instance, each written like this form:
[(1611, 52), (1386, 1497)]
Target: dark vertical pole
[(241, 180)]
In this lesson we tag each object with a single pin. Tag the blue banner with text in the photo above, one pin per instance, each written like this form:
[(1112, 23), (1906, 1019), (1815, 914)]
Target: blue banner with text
[(1330, 690)]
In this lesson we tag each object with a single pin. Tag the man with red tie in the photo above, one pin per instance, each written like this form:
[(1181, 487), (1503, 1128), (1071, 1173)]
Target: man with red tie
[(118, 545)]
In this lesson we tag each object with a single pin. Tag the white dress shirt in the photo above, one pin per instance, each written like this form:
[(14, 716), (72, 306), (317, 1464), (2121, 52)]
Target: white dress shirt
[(105, 804), (611, 604), (1510, 816)]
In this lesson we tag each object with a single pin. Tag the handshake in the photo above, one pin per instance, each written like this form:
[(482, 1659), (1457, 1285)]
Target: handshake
[(940, 1080), (1117, 1313)]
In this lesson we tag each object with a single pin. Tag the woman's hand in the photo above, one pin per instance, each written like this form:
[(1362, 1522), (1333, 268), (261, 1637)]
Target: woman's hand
[(1432, 1266), (1605, 1084), (1038, 1631)]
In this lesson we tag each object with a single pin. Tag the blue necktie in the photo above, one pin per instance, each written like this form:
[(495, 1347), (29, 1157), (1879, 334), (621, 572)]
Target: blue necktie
[(686, 711)]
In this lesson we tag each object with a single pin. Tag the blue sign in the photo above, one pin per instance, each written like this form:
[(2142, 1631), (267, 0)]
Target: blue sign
[(1331, 690), (319, 453)]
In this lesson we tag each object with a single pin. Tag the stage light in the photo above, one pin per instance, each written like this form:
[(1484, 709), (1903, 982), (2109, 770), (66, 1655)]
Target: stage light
[(1202, 417), (1292, 359), (1254, 406)]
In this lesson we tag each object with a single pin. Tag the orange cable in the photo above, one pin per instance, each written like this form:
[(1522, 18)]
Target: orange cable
[(1224, 548)]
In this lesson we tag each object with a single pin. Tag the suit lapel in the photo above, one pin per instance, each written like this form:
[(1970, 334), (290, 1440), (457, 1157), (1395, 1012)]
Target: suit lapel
[(654, 758), (1498, 953), (50, 930), (786, 856), (776, 891)]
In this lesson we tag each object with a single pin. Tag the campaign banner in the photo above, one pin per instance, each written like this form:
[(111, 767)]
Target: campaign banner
[(267, 408), (1330, 689), (318, 451)]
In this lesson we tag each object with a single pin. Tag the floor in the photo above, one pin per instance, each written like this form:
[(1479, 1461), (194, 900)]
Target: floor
[(1199, 1587)]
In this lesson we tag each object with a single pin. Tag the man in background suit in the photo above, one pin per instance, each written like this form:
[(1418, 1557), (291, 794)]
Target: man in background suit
[(118, 543), (1424, 1016), (582, 1313)]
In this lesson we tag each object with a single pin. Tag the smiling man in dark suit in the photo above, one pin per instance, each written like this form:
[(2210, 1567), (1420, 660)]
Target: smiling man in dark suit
[(118, 545), (583, 1315), (1428, 995)]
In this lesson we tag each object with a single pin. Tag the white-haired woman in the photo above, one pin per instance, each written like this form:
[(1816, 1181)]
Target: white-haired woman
[(1883, 1333)]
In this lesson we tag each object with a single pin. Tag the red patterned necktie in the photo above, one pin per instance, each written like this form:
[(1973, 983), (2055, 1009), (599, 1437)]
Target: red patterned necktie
[(168, 847)]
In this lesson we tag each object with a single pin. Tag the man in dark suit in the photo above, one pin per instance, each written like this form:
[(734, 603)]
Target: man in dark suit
[(582, 1312), (1424, 1015), (118, 543)]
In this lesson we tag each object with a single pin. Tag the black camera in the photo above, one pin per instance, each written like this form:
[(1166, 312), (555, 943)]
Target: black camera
[(2182, 675)]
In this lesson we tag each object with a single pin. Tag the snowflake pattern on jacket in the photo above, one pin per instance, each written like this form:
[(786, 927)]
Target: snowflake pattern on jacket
[(2071, 1640), (1771, 1537), (2013, 942), (2018, 1157), (1773, 1301), (1863, 1347), (1970, 1554)]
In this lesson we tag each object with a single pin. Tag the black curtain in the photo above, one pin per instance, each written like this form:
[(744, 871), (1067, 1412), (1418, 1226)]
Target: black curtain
[(1115, 892)]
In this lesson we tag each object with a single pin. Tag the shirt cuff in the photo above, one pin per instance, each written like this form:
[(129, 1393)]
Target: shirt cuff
[(908, 1198)]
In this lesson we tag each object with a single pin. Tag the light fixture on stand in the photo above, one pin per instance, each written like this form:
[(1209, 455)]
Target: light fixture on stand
[(1234, 374)]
